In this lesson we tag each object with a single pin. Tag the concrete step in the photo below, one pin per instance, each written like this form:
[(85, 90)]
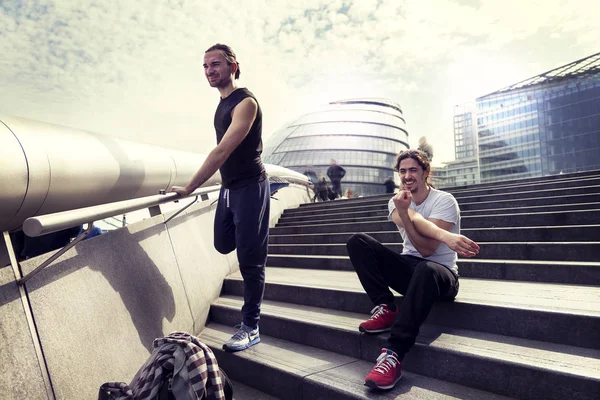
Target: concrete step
[(565, 184), (547, 178), (380, 205), (467, 205), (562, 201), (343, 203), (584, 217), (318, 249), (539, 251), (245, 392), (309, 217), (563, 314), (552, 218), (468, 198), (567, 272), (316, 219), (532, 367), (579, 233), (295, 371), (331, 238), (531, 209), (333, 228), (382, 213)]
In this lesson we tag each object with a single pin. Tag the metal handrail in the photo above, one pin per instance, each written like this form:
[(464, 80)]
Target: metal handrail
[(44, 224), (49, 223)]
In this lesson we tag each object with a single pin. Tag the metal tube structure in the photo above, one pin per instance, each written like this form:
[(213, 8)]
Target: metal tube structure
[(47, 169)]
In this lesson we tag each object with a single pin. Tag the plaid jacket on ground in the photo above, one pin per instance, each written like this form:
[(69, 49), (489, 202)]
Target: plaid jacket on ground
[(193, 364)]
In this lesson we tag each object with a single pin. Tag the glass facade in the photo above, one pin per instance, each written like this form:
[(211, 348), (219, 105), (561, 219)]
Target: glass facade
[(456, 173), (362, 135), (508, 128), (544, 125), (540, 131), (465, 169), (465, 138)]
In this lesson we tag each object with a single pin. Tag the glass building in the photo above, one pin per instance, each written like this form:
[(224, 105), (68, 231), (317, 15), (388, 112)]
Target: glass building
[(464, 170), (544, 125), (461, 172), (465, 137), (362, 135)]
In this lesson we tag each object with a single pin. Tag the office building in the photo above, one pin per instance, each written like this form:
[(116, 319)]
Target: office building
[(545, 125)]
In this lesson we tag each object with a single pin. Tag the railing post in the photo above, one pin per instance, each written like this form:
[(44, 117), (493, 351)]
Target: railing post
[(59, 253), (29, 317), (182, 209), (154, 210)]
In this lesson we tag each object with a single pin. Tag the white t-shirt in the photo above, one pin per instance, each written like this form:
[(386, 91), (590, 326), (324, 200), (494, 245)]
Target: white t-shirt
[(439, 205)]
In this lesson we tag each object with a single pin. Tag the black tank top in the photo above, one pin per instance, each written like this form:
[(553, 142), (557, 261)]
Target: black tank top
[(244, 165)]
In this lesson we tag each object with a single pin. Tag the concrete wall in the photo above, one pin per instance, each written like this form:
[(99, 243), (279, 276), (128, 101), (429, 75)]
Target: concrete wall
[(99, 307), (20, 373)]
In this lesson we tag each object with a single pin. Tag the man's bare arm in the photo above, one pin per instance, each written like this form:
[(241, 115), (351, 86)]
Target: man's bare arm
[(425, 245), (436, 229), (242, 118), (426, 234)]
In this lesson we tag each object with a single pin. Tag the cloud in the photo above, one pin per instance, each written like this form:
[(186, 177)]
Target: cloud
[(134, 69)]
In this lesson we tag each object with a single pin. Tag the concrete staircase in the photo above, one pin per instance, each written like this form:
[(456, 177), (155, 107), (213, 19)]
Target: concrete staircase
[(526, 322)]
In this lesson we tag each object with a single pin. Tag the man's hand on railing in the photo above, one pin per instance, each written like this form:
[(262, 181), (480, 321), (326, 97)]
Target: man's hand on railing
[(180, 190)]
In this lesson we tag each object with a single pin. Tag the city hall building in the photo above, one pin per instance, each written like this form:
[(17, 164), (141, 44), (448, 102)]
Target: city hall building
[(363, 136)]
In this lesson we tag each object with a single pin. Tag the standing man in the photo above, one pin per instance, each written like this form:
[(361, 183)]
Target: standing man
[(389, 184), (311, 174), (425, 147), (335, 174), (426, 271), (242, 215)]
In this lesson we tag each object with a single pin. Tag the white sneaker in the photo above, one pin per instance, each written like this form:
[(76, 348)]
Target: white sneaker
[(243, 338)]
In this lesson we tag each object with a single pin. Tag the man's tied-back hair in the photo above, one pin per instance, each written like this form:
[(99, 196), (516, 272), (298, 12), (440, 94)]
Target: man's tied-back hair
[(417, 155), (228, 54)]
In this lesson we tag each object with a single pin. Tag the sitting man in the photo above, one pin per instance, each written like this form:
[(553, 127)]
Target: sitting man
[(429, 223)]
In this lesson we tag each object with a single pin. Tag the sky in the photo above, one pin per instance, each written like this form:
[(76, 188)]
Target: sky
[(133, 69)]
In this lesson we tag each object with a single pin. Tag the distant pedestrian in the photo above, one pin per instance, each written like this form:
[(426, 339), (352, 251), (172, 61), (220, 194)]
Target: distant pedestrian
[(314, 179), (311, 174), (335, 174), (321, 189), (425, 147), (331, 195), (390, 185)]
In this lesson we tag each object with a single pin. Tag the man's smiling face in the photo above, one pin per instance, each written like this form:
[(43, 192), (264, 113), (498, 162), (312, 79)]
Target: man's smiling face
[(412, 175)]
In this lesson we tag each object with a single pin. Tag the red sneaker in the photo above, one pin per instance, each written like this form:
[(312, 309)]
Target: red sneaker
[(386, 373), (382, 319)]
